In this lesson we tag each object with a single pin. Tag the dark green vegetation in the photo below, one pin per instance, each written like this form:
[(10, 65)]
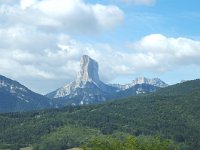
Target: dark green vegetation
[(172, 113)]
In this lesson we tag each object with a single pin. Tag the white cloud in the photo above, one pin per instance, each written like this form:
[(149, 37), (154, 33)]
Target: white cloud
[(27, 3), (169, 52), (71, 16), (139, 2), (26, 38), (107, 17)]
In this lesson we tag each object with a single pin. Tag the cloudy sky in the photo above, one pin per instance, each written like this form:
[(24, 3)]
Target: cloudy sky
[(42, 41)]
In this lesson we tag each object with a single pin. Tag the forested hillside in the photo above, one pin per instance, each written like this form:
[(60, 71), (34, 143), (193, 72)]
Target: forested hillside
[(171, 113)]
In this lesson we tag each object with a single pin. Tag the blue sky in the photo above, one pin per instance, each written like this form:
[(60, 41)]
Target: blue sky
[(42, 41)]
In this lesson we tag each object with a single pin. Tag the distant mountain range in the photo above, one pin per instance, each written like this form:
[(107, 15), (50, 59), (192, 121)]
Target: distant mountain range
[(89, 89), (141, 80), (86, 89)]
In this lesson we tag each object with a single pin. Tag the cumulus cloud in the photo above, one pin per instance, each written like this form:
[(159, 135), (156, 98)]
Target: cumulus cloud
[(26, 38), (139, 2), (71, 16), (167, 52)]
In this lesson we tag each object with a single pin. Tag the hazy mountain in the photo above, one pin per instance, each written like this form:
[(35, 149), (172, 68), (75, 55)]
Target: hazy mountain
[(142, 80), (16, 97), (135, 90), (89, 89)]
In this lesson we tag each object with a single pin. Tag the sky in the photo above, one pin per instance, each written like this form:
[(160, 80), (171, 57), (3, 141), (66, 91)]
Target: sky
[(42, 41)]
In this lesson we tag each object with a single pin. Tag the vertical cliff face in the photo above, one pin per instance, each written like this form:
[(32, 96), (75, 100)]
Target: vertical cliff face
[(88, 70), (87, 88)]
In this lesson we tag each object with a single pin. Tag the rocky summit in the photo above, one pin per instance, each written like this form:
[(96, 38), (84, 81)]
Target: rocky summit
[(89, 89), (88, 70)]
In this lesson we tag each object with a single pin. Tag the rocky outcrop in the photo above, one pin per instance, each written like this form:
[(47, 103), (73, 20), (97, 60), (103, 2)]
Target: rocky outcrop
[(142, 80), (88, 70), (87, 88), (155, 82)]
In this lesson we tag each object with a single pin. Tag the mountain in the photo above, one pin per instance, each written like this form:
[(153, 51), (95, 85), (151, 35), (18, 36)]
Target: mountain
[(135, 90), (86, 89), (142, 80), (171, 113), (16, 97), (89, 89)]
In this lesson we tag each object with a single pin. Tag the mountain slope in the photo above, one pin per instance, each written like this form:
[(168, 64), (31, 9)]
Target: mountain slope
[(16, 97), (172, 113), (181, 88)]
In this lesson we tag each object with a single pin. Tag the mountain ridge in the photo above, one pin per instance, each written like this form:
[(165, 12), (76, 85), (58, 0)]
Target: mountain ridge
[(16, 97), (141, 80)]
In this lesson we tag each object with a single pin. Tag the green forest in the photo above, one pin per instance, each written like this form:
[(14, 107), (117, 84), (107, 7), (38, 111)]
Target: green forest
[(164, 120)]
